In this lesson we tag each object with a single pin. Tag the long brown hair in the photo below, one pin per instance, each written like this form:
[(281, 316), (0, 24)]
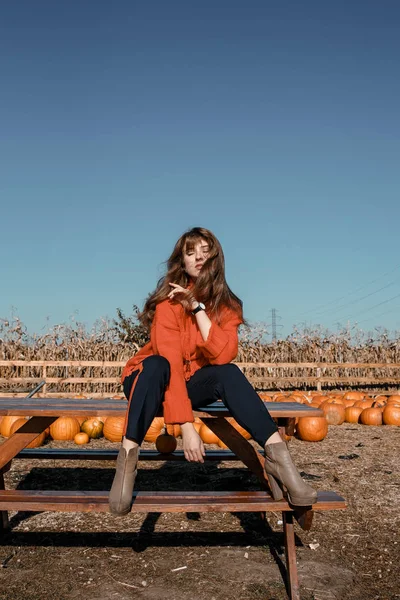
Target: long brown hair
[(210, 286)]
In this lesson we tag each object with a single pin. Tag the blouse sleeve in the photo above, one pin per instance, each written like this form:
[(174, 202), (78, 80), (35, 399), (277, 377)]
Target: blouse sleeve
[(166, 340), (221, 345)]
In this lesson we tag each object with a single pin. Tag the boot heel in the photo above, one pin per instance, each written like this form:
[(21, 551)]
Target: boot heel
[(276, 490)]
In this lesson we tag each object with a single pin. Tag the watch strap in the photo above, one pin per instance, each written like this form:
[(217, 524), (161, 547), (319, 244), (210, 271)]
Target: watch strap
[(198, 308)]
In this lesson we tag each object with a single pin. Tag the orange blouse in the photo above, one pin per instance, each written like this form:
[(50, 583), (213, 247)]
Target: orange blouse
[(176, 336)]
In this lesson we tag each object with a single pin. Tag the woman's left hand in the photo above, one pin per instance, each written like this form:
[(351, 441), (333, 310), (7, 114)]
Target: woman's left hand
[(193, 446), (183, 295)]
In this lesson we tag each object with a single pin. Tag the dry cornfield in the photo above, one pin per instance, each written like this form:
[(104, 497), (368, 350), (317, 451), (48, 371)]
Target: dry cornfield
[(103, 342)]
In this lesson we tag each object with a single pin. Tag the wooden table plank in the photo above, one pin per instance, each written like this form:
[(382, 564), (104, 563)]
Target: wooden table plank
[(72, 406), (45, 453), (88, 501)]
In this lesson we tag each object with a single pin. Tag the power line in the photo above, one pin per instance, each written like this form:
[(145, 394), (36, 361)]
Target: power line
[(358, 299), (372, 307), (386, 312), (323, 306)]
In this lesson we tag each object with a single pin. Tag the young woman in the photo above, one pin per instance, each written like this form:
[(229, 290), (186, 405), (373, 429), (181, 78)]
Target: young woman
[(193, 318)]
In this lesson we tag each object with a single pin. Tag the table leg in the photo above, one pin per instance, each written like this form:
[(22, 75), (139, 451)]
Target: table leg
[(290, 553), (286, 426), (304, 516), (239, 445), (4, 524)]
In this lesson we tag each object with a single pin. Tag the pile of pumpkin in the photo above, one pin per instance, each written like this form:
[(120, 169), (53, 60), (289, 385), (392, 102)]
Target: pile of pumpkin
[(349, 407), (82, 429), (338, 408)]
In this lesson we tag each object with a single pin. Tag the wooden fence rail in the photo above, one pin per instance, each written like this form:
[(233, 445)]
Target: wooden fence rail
[(265, 375)]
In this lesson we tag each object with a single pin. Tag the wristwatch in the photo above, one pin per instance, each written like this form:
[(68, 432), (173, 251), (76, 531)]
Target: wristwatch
[(198, 308)]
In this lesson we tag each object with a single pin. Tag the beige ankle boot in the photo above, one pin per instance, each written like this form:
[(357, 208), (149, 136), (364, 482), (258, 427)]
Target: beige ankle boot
[(120, 497), (281, 471)]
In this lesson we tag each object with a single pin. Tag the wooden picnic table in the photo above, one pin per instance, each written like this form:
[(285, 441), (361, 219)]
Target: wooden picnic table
[(44, 411)]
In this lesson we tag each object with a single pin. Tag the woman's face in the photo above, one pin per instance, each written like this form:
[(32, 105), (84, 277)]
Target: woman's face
[(194, 258)]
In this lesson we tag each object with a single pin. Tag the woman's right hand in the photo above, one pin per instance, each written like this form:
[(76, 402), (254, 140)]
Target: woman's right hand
[(193, 447)]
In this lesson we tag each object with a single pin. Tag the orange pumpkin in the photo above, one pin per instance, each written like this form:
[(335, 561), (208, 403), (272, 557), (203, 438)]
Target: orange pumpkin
[(354, 396), (278, 397), (154, 430), (295, 398), (37, 442), (308, 400), (81, 419), (334, 412), (64, 428), (364, 403), (312, 429), (314, 404), (17, 424), (6, 424), (81, 438), (379, 403), (174, 429), (371, 416), (391, 414), (379, 398), (239, 428), (336, 398), (318, 399), (166, 443), (221, 444), (395, 399), (286, 399), (197, 427), (302, 398), (352, 414), (347, 403), (207, 435), (102, 418), (114, 428)]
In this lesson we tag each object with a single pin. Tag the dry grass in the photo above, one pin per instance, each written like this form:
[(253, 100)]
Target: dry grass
[(92, 555)]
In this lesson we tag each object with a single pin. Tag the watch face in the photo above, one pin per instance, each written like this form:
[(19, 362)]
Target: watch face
[(202, 306)]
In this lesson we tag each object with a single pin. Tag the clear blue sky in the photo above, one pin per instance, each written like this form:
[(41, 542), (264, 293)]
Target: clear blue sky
[(274, 124)]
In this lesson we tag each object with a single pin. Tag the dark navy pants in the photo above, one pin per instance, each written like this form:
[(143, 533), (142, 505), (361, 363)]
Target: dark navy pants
[(208, 384)]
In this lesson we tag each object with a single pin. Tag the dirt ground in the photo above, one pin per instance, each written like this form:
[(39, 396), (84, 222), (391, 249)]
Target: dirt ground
[(352, 554)]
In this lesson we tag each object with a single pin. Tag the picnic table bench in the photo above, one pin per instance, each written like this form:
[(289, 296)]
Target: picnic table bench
[(44, 411)]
